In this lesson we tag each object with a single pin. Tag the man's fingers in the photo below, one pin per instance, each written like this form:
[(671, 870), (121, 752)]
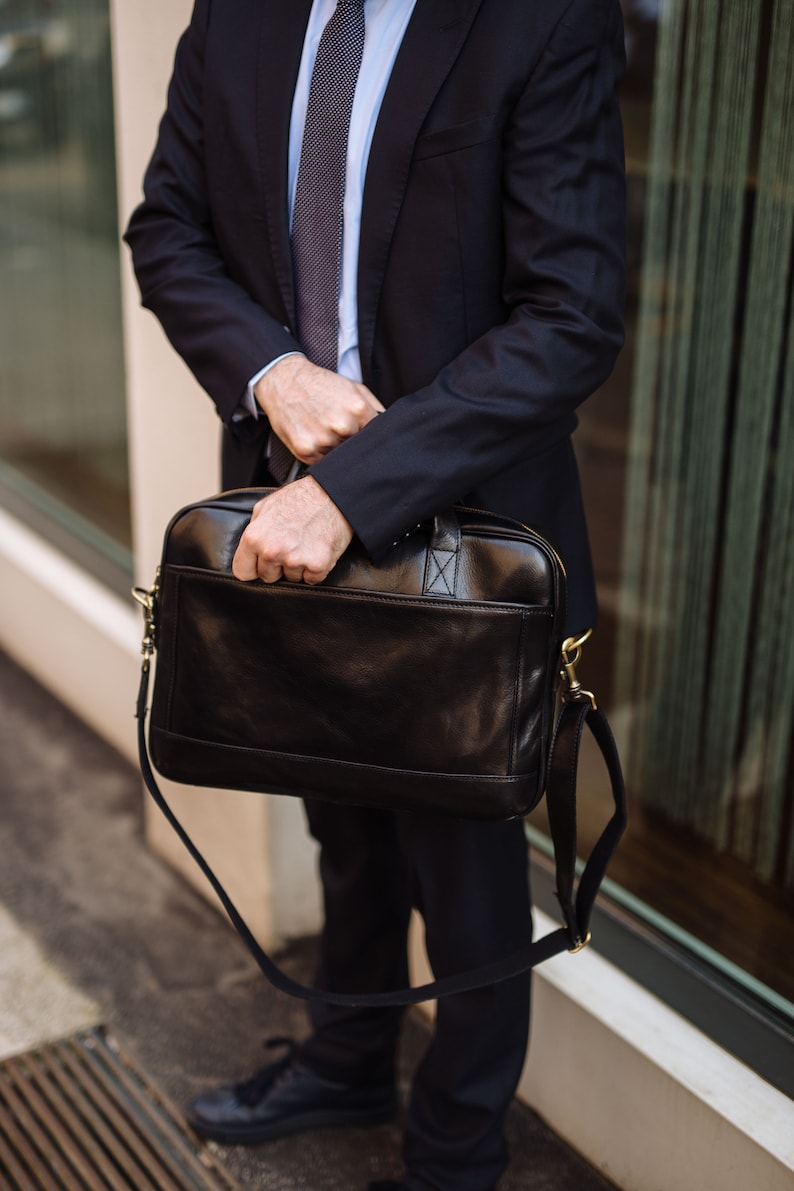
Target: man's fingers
[(311, 450), (269, 572), (244, 563), (343, 419), (312, 409), (251, 560), (297, 533), (344, 425), (254, 560), (293, 574), (372, 401), (313, 577), (250, 563)]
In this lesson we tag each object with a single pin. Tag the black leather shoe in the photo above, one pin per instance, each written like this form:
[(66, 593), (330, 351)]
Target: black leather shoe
[(286, 1097)]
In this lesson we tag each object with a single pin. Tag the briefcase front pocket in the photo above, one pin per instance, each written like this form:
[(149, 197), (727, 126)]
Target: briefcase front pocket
[(420, 703)]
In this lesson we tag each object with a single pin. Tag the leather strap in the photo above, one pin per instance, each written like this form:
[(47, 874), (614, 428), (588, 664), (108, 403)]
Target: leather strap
[(576, 905), (443, 556)]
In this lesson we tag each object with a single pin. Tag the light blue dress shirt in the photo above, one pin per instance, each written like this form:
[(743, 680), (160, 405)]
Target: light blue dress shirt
[(386, 22)]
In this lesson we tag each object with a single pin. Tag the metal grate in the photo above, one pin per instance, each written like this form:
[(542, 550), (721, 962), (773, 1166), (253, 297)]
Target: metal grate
[(77, 1116)]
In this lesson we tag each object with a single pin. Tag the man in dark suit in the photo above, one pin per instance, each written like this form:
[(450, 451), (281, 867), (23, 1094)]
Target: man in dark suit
[(480, 296)]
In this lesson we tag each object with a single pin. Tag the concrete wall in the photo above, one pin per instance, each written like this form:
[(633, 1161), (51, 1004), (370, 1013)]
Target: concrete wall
[(174, 437)]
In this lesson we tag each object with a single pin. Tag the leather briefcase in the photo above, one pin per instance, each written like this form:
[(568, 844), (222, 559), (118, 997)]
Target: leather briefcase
[(423, 682)]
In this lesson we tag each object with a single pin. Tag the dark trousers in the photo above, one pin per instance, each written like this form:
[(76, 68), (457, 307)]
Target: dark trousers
[(469, 880)]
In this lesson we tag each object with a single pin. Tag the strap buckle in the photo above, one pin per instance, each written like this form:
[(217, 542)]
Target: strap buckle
[(580, 946), (571, 653)]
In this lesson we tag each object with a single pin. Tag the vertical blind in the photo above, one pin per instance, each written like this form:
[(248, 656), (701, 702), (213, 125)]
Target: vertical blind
[(706, 644)]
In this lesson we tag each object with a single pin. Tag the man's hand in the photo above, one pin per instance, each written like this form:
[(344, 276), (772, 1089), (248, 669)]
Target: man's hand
[(311, 409), (297, 532)]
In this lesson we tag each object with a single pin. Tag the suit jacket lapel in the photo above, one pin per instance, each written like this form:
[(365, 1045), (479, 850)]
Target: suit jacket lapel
[(282, 28), (434, 38)]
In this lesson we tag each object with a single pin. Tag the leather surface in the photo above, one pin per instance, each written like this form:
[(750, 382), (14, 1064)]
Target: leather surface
[(423, 681)]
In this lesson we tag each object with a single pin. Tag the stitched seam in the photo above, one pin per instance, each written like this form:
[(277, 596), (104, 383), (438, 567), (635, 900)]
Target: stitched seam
[(419, 773), (172, 684), (516, 691), (314, 593), (548, 727), (561, 23), (441, 571), (572, 774)]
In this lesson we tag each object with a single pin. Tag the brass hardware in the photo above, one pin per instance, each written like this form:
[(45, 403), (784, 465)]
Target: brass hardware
[(147, 600), (143, 597), (581, 945), (571, 653)]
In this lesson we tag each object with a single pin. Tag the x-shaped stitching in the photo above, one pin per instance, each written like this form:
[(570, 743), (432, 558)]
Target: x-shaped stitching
[(441, 576)]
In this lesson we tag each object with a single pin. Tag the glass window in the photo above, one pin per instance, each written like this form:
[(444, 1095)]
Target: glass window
[(687, 459), (63, 451)]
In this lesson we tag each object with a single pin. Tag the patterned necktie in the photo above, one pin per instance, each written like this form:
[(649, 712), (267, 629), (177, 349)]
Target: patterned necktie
[(318, 213)]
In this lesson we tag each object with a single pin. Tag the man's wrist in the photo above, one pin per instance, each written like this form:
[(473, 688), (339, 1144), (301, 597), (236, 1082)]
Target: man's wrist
[(262, 384), (318, 483)]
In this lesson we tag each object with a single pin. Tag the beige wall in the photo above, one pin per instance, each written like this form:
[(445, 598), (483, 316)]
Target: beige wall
[(172, 426), (261, 843)]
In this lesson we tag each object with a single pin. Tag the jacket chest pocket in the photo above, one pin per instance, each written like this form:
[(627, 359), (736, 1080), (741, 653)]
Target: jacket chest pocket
[(457, 137)]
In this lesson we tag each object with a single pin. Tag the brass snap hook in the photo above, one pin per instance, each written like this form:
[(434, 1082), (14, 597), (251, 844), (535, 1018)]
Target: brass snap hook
[(571, 653), (146, 599)]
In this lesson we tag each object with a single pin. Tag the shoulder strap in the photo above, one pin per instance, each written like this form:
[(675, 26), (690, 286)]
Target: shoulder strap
[(561, 798)]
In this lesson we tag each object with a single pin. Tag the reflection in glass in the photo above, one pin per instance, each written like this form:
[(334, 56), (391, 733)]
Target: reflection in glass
[(687, 458), (62, 414)]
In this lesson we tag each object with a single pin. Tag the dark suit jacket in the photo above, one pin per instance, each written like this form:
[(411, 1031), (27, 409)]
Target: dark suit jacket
[(491, 267)]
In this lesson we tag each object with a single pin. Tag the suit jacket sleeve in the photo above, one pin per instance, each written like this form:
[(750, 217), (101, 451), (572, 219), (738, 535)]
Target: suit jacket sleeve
[(223, 335), (564, 238)]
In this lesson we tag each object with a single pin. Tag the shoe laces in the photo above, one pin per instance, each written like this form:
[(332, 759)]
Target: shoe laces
[(251, 1091)]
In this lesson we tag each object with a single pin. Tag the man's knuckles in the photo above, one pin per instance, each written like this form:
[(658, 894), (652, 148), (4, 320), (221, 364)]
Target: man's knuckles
[(311, 445), (244, 564), (343, 427), (313, 561), (291, 555)]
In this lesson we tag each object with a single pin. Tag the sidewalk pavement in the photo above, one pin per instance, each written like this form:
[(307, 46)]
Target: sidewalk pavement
[(96, 929)]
